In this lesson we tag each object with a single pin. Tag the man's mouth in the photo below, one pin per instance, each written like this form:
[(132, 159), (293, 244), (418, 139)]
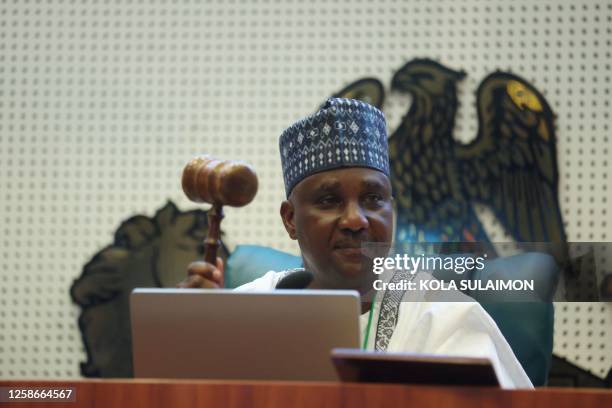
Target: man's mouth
[(350, 249), (348, 244)]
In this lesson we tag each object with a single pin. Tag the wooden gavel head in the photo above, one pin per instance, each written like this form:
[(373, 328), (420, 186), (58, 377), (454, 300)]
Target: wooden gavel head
[(209, 180)]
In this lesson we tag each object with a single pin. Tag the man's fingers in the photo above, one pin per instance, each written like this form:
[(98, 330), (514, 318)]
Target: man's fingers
[(205, 270), (197, 282), (221, 269), (190, 282), (220, 265), (201, 283)]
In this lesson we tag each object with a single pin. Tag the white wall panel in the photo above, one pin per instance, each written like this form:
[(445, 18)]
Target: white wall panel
[(103, 102)]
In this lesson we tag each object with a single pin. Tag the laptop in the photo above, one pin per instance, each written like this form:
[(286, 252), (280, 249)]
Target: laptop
[(224, 334)]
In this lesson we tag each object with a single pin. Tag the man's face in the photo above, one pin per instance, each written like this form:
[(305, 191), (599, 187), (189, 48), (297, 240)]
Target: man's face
[(332, 214)]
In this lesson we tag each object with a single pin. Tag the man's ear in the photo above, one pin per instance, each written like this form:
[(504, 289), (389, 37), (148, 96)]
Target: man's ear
[(287, 213)]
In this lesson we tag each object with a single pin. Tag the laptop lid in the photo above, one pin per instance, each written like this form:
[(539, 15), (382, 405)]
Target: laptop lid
[(223, 334)]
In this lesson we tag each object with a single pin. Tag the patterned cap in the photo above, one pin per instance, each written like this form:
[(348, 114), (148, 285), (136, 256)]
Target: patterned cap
[(343, 133)]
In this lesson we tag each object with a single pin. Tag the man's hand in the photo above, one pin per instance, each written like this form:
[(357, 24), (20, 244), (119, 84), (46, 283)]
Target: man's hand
[(204, 275)]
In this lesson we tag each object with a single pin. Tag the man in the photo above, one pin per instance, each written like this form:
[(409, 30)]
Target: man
[(336, 173)]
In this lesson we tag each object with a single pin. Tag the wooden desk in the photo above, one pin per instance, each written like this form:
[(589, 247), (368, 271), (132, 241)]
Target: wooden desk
[(194, 393)]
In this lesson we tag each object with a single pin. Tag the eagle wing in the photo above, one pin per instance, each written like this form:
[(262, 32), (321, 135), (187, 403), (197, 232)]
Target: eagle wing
[(512, 164), (368, 90)]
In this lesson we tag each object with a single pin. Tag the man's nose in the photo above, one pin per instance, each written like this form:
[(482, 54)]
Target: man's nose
[(353, 218)]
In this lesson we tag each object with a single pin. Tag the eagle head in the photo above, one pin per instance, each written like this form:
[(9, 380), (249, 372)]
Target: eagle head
[(425, 76), (523, 95), (518, 100)]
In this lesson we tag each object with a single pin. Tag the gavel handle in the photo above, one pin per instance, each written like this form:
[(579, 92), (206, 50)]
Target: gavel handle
[(211, 243)]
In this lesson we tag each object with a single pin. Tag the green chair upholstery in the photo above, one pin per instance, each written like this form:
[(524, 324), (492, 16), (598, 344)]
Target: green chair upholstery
[(526, 322), (526, 325), (249, 262)]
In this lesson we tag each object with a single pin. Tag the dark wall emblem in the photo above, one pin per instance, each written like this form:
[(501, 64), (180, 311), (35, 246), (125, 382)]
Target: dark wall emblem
[(147, 252), (511, 166)]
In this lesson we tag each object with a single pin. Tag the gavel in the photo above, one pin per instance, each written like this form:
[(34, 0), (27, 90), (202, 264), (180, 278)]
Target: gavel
[(209, 180)]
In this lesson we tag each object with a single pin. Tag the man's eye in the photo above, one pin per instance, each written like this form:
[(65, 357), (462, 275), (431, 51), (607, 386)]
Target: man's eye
[(328, 200), (374, 199)]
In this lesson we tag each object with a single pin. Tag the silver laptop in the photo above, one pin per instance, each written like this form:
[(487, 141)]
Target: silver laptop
[(223, 334)]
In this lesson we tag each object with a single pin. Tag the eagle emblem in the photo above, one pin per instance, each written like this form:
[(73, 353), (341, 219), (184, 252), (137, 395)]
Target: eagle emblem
[(511, 165), (146, 252)]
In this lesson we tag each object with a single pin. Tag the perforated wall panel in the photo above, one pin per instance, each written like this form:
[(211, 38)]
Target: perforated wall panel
[(103, 102)]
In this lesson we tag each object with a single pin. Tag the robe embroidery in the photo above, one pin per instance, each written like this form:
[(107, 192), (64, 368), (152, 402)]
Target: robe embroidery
[(389, 311)]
